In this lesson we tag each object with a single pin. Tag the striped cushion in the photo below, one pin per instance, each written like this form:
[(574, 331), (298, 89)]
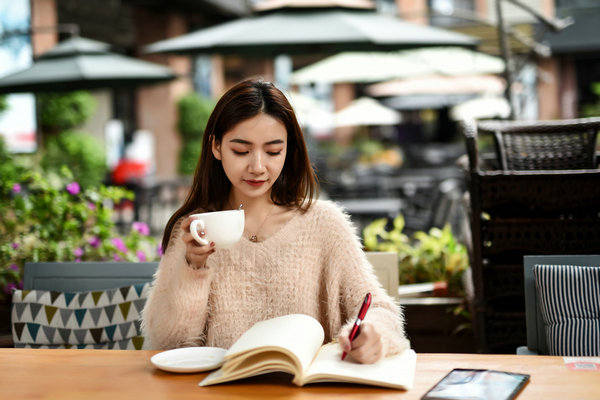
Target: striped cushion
[(100, 319), (569, 299)]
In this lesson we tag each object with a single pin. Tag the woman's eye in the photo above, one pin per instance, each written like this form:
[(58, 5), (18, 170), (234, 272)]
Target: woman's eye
[(274, 153), (239, 153)]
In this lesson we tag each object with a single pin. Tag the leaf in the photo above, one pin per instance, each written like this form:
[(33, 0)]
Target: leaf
[(399, 223), (374, 230)]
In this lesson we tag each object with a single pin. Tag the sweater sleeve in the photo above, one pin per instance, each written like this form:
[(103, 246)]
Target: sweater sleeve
[(356, 277), (176, 310)]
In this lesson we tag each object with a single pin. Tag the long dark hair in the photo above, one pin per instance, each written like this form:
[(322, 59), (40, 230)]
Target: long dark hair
[(297, 183)]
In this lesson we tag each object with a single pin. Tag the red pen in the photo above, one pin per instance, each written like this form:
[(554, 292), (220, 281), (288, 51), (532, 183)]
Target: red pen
[(361, 315)]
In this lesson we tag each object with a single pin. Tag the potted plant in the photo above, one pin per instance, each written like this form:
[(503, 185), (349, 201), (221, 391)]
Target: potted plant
[(433, 323), (50, 217)]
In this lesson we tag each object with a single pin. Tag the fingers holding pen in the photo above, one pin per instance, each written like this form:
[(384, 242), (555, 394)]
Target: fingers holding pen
[(367, 346)]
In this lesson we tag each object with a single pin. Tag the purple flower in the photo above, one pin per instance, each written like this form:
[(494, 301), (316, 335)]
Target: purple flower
[(94, 241), (16, 188), (140, 255), (15, 245), (14, 267), (91, 206), (141, 227), (117, 257), (78, 252), (73, 188), (119, 244), (9, 287)]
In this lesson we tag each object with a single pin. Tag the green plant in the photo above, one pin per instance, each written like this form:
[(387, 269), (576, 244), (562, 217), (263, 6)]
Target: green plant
[(592, 109), (62, 111), (194, 112), (3, 103), (425, 257), (52, 218), (188, 156), (82, 153)]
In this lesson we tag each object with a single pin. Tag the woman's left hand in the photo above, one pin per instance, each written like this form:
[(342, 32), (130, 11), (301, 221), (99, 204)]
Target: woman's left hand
[(367, 346)]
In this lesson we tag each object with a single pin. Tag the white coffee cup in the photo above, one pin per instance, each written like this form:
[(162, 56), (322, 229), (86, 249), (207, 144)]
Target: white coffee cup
[(224, 228)]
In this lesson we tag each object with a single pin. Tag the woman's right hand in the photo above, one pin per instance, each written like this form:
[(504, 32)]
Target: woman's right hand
[(195, 253)]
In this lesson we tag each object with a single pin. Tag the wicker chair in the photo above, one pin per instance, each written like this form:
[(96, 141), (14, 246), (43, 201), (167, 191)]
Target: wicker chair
[(544, 145), (517, 211)]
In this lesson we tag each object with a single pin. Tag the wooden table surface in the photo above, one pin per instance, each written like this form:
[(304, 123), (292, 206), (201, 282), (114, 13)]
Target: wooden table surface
[(123, 374)]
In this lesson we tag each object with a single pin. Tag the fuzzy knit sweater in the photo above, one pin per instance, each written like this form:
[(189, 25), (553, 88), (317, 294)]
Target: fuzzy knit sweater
[(313, 265)]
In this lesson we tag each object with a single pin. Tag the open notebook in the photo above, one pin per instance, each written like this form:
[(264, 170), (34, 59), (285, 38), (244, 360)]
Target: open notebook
[(294, 344)]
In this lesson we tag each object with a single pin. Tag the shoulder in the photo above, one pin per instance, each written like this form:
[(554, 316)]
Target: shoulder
[(326, 208), (327, 212)]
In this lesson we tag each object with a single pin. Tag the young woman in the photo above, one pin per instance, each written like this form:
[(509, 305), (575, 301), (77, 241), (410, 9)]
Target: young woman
[(297, 255)]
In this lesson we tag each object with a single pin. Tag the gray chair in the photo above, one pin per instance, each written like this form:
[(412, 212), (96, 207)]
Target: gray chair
[(80, 276), (536, 333), (81, 305), (385, 264)]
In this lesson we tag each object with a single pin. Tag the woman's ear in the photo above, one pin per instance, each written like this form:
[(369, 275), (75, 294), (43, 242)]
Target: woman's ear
[(216, 147)]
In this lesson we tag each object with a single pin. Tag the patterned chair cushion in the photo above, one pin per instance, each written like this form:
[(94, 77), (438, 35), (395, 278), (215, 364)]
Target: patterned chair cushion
[(569, 300), (99, 319)]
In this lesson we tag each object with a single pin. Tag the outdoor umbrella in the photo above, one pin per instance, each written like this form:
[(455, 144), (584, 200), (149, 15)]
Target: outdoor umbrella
[(366, 112), (381, 66), (78, 63), (314, 30), (481, 108), (439, 84), (312, 114)]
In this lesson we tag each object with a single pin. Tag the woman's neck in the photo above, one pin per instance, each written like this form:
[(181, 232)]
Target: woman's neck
[(251, 205)]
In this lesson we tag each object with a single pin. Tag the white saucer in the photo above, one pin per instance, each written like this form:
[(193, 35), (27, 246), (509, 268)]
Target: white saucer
[(189, 359)]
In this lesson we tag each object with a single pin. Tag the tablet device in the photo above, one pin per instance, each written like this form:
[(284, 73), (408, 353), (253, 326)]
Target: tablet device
[(477, 384)]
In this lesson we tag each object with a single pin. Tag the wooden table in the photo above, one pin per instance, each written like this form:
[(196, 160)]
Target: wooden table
[(122, 374)]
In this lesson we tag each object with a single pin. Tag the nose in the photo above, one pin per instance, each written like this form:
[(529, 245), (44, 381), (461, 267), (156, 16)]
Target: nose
[(256, 164)]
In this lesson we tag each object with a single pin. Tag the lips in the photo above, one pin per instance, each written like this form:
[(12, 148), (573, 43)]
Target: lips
[(255, 182)]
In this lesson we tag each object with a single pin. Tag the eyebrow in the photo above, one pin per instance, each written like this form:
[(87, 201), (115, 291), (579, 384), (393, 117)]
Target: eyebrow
[(242, 141)]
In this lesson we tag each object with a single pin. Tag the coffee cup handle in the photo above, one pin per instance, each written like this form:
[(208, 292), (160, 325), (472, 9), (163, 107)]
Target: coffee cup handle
[(194, 231)]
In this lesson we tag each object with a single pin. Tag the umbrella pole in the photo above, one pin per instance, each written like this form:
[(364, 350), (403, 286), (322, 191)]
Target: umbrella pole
[(555, 24), (505, 50), (38, 122)]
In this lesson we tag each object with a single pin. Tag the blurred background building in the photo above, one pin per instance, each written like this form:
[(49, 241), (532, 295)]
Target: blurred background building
[(401, 158), (554, 87), (381, 120)]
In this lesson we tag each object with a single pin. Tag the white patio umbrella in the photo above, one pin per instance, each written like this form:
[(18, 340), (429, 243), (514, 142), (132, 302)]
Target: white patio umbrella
[(383, 66), (439, 84), (366, 111), (312, 114), (481, 108), (359, 67)]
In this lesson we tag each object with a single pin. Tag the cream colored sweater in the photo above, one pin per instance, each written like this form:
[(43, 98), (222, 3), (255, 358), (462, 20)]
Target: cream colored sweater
[(313, 265)]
